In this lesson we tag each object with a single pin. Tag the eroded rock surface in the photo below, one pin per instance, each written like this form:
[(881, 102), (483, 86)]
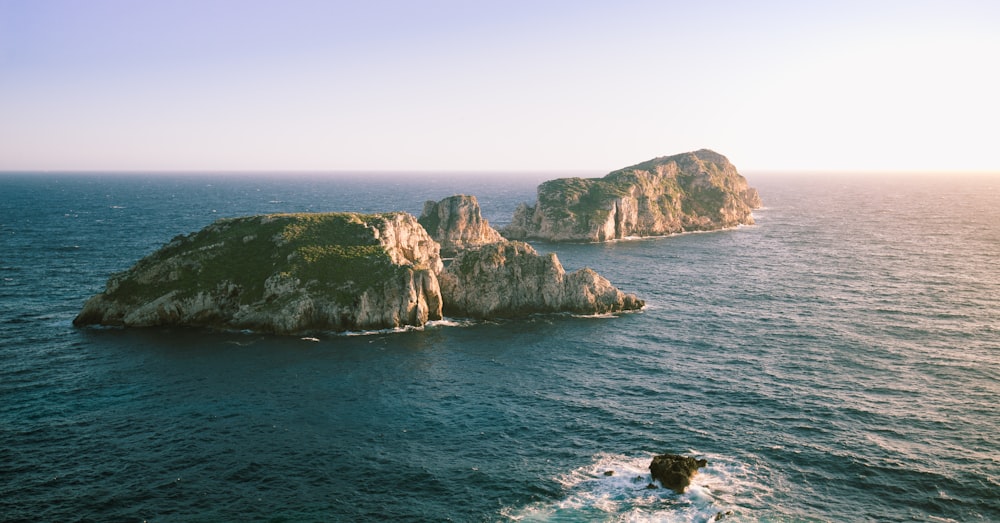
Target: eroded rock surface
[(284, 274), (457, 224), (674, 471), (510, 278), (300, 273), (695, 191)]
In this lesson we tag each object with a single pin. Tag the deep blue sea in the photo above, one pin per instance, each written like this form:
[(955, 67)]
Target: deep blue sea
[(837, 361)]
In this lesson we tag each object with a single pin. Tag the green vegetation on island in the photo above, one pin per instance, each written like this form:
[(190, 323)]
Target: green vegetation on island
[(693, 191)]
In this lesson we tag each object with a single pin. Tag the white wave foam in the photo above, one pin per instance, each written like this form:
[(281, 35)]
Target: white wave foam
[(614, 488), (446, 322), (449, 322), (602, 315)]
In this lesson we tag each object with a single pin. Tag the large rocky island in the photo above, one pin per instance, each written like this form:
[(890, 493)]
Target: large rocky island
[(301, 273), (695, 191), (282, 273)]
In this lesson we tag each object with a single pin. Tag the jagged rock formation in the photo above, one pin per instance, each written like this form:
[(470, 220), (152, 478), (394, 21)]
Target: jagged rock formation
[(511, 278), (299, 273), (674, 471), (694, 191), (457, 223), (492, 277), (284, 273)]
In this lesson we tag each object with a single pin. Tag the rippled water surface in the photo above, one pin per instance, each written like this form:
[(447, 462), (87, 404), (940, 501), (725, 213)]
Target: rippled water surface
[(838, 361)]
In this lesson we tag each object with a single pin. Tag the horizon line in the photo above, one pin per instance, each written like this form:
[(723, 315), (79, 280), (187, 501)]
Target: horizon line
[(526, 171)]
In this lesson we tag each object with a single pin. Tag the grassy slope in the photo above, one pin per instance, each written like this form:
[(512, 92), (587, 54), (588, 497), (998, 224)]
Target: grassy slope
[(332, 252)]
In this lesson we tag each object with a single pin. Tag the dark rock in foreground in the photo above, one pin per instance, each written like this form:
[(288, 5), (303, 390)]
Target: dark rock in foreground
[(674, 471)]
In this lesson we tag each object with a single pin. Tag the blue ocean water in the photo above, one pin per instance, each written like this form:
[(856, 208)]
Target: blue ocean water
[(838, 361)]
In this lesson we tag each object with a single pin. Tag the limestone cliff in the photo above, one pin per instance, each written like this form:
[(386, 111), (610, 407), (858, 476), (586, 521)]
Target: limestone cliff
[(493, 277), (457, 223), (283, 273), (298, 273), (510, 278), (693, 191)]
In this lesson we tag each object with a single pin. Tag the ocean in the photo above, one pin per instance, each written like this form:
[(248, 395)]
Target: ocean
[(837, 361)]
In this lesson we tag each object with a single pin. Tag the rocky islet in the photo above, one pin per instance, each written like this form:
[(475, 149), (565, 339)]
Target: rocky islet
[(694, 191)]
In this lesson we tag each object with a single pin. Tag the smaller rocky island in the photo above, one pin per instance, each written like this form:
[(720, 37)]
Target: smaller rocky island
[(303, 273), (695, 191)]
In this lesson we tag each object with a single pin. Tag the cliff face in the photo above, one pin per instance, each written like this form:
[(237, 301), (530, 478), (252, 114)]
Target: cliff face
[(286, 273), (457, 223), (492, 277), (694, 191), (511, 278)]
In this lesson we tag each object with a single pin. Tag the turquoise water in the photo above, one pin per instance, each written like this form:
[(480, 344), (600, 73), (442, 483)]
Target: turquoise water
[(838, 361)]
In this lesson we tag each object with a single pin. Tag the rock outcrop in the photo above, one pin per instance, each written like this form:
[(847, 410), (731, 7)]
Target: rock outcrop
[(695, 191), (674, 471), (284, 274), (492, 277), (510, 278), (300, 273), (457, 224)]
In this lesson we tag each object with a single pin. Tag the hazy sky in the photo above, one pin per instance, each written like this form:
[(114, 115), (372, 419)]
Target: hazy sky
[(497, 85)]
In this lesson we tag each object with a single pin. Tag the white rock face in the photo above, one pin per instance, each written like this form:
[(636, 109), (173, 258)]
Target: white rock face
[(293, 274), (694, 191), (457, 224), (511, 278), (302, 273), (493, 277), (407, 242)]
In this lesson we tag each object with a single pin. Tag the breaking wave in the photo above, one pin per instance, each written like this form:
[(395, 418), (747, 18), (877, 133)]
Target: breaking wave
[(615, 487)]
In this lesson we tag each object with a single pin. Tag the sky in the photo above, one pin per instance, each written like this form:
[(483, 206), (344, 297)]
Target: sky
[(497, 85)]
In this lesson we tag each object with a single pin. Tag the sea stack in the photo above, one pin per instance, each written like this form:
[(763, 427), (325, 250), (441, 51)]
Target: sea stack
[(695, 191), (457, 224)]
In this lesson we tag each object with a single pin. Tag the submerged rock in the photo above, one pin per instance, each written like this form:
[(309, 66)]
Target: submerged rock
[(284, 274), (695, 191), (674, 471)]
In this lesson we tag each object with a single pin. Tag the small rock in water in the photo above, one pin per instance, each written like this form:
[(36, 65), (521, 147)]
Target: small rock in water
[(609, 473), (674, 471)]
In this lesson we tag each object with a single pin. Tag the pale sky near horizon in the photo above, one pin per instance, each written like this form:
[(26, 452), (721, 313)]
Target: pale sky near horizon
[(512, 85)]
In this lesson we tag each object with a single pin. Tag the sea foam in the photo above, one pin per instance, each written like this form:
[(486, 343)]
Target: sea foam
[(614, 487)]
